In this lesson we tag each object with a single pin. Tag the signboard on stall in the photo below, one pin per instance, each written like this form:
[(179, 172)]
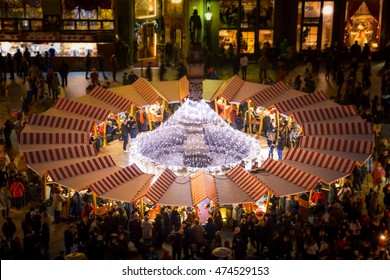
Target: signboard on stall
[(47, 37), (78, 37)]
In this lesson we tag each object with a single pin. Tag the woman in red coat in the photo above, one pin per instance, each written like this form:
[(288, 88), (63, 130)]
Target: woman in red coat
[(17, 191)]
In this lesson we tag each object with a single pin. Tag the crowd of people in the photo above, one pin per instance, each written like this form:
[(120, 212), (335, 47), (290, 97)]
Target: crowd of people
[(343, 223)]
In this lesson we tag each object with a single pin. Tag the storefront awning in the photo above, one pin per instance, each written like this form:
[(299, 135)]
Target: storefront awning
[(266, 95), (130, 94), (82, 174), (325, 114), (54, 122), (229, 88), (118, 102)]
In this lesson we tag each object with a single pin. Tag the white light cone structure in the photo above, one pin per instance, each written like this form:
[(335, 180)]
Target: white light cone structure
[(194, 137)]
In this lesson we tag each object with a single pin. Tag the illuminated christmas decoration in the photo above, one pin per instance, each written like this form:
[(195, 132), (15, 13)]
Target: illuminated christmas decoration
[(194, 137)]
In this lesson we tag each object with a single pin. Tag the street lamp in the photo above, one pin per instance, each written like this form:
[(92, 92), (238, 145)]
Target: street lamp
[(208, 15)]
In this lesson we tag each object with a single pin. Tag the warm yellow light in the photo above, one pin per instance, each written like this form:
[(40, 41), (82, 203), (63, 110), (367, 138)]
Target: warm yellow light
[(327, 10), (176, 1)]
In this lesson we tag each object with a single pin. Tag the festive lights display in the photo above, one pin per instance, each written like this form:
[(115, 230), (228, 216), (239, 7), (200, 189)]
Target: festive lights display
[(194, 137)]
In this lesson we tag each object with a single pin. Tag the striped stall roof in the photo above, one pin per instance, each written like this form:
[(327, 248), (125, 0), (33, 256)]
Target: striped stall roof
[(59, 154), (320, 160), (159, 187), (80, 168), (45, 138), (229, 89), (269, 93), (337, 128), (324, 114), (287, 106), (116, 179), (184, 87), (336, 144), (290, 174), (203, 186), (60, 123), (92, 112), (248, 183), (111, 98), (145, 89)]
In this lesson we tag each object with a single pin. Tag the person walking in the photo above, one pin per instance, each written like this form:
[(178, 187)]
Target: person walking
[(263, 64), (55, 83), (101, 66), (5, 201), (244, 65), (88, 62), (125, 129), (64, 70), (58, 201), (133, 129), (114, 67), (17, 190)]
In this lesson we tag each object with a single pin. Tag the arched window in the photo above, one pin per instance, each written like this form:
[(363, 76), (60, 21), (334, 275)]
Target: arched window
[(88, 14)]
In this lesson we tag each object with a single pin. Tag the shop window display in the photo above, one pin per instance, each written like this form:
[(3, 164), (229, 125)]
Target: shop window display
[(88, 15), (16, 14), (228, 41), (145, 9), (250, 14), (315, 23), (363, 27)]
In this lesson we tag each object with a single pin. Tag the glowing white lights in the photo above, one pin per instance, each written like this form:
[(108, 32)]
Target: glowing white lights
[(194, 137)]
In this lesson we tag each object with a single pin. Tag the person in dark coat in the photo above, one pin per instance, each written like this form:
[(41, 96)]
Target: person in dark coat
[(149, 72), (133, 128), (125, 130), (218, 220), (177, 243), (280, 145), (238, 245), (114, 67), (211, 229), (101, 66), (159, 229), (88, 63), (64, 71)]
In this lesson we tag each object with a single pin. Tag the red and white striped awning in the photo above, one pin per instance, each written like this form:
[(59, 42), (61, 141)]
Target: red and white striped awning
[(27, 139), (229, 89), (328, 168), (80, 175), (265, 95), (43, 160), (320, 159), (145, 89), (246, 91), (248, 183), (178, 193), (229, 192), (353, 149), (338, 128), (288, 106), (123, 184), (60, 123), (278, 186), (291, 174), (202, 187), (325, 114), (97, 114), (157, 189), (122, 104)]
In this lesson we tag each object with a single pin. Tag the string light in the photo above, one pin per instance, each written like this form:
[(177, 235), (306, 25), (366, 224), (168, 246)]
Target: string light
[(193, 137)]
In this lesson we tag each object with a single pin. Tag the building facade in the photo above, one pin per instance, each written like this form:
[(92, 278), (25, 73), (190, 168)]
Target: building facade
[(139, 30)]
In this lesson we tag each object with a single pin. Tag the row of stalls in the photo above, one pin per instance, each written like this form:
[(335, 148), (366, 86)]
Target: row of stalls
[(56, 145)]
